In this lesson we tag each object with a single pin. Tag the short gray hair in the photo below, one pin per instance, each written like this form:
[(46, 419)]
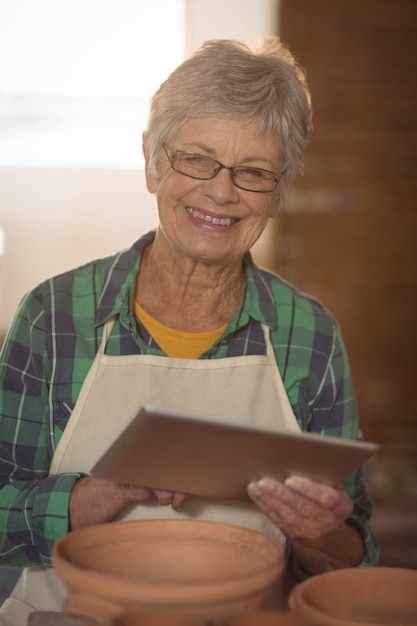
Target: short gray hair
[(227, 79)]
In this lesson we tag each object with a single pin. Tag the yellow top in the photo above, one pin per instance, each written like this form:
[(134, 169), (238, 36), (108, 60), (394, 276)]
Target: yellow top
[(177, 343)]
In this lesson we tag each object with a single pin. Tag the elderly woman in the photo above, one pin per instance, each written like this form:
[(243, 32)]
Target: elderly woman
[(184, 319)]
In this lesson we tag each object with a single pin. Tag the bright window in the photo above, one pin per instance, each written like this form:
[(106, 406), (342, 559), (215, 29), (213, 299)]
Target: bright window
[(76, 77)]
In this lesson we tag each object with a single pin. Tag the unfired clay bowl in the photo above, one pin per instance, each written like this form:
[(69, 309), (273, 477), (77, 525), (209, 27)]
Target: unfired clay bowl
[(206, 570), (375, 596)]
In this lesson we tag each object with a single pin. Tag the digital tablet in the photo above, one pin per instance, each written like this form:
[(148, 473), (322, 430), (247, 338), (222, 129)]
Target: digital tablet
[(178, 452)]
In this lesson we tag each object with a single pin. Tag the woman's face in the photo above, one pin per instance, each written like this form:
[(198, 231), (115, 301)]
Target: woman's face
[(187, 206)]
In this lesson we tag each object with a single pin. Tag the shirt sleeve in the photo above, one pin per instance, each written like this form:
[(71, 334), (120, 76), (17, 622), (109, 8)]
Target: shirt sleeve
[(33, 505), (332, 411)]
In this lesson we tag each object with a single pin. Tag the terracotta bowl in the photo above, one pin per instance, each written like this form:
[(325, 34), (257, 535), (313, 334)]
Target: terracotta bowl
[(264, 618), (205, 570), (375, 596), (155, 618)]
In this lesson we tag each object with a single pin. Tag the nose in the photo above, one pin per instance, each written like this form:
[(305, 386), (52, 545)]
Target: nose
[(221, 188)]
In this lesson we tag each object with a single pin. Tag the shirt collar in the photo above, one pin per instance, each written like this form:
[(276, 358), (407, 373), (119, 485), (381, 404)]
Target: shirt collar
[(118, 291), (258, 302)]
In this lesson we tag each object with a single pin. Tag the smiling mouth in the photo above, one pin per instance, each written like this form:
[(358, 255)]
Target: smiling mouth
[(209, 219)]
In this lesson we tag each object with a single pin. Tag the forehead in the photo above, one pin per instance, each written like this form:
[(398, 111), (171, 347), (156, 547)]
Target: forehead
[(240, 138)]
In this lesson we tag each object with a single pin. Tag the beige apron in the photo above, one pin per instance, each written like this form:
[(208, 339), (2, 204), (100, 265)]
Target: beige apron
[(244, 389)]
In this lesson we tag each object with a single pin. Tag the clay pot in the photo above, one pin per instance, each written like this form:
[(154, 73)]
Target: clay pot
[(374, 596), (204, 570), (264, 618), (155, 618)]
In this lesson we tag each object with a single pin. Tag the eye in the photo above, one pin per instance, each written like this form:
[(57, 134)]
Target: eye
[(197, 161), (253, 174)]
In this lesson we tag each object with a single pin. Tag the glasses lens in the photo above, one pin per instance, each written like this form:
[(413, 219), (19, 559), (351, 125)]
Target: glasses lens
[(254, 179), (193, 164)]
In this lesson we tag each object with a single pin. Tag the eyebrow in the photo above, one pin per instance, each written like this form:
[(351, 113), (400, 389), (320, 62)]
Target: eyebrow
[(200, 146)]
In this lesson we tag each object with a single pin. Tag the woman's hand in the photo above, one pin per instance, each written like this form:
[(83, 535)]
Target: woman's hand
[(96, 501), (312, 516)]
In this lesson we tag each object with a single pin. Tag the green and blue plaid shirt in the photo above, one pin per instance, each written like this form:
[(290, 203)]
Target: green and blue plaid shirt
[(53, 341)]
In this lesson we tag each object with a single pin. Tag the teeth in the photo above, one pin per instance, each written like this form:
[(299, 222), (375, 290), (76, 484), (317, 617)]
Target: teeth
[(222, 221)]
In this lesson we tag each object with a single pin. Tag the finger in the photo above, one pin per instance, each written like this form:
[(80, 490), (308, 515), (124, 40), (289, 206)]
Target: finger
[(266, 496), (274, 498), (178, 501), (270, 490), (328, 498), (163, 496), (135, 493), (325, 496), (307, 497), (321, 495)]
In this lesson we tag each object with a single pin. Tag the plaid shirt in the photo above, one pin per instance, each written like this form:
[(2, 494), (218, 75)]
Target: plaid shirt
[(52, 344)]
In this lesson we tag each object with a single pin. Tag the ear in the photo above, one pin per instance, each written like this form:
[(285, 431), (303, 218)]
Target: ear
[(151, 182), (275, 206)]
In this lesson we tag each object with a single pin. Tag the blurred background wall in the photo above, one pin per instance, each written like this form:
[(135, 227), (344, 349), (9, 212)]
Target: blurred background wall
[(349, 231), (64, 200)]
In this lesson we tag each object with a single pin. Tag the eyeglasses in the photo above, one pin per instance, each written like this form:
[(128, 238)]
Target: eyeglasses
[(203, 167)]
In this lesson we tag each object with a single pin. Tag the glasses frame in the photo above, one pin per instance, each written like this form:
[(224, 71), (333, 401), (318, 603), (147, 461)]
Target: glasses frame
[(171, 152)]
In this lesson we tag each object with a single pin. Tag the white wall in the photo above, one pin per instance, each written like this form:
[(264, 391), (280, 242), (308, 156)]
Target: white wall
[(248, 20), (56, 219)]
